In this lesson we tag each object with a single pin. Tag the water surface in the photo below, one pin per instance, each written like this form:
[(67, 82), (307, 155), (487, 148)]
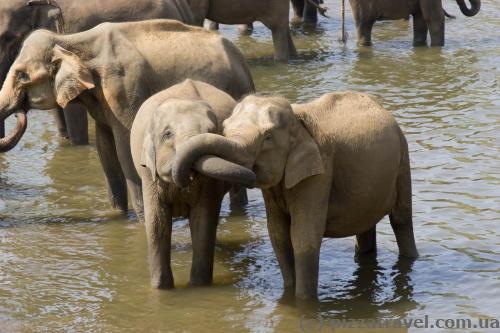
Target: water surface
[(69, 263)]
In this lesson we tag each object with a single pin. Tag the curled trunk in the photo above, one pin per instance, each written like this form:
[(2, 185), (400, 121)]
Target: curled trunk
[(473, 10), (224, 164), (11, 140), (218, 168)]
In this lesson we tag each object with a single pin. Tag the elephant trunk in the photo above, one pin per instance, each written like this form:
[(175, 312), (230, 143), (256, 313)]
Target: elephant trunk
[(9, 104), (11, 140), (214, 156), (475, 6)]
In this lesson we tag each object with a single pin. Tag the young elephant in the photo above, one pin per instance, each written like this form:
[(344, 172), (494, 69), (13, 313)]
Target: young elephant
[(163, 124), (111, 70), (333, 167), (428, 16)]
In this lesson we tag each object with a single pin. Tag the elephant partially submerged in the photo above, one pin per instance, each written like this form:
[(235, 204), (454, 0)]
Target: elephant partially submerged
[(333, 167), (18, 18), (272, 13), (428, 17), (165, 122), (112, 69)]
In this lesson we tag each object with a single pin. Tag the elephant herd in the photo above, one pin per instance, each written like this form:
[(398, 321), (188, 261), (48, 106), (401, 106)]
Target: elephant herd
[(178, 124)]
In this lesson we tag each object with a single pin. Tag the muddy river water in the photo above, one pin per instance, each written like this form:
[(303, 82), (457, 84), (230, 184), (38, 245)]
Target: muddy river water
[(68, 263)]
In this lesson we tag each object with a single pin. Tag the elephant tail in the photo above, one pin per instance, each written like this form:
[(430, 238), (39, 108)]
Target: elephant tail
[(403, 206), (473, 10)]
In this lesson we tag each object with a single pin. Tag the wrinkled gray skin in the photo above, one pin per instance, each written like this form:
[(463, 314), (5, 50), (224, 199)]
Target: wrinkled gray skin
[(428, 17), (166, 121), (333, 167), (272, 13), (17, 20), (112, 69)]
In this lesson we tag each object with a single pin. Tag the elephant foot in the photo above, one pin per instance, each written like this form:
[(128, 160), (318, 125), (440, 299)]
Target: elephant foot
[(296, 20), (419, 43), (246, 29), (238, 197), (365, 43), (200, 282)]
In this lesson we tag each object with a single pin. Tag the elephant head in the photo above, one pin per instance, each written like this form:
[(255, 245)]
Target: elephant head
[(263, 134), (45, 75), (17, 19), (179, 125)]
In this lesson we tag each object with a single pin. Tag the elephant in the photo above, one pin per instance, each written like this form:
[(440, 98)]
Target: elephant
[(332, 167), (20, 17), (428, 16), (307, 11), (112, 69), (165, 122), (272, 13)]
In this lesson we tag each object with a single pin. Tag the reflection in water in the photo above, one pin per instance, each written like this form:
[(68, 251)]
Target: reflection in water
[(70, 263)]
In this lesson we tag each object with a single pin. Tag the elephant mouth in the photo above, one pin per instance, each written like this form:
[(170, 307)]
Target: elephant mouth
[(10, 141)]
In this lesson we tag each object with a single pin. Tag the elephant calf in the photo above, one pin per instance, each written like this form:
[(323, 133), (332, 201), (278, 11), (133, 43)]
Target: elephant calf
[(333, 167), (165, 122)]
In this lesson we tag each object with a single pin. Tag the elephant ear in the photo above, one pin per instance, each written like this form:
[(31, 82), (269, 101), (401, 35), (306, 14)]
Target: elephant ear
[(148, 155), (72, 77), (304, 159)]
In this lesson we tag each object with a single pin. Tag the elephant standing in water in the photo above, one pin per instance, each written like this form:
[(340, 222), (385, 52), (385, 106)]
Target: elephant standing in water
[(112, 69), (273, 14), (163, 124), (20, 17), (333, 167), (428, 17)]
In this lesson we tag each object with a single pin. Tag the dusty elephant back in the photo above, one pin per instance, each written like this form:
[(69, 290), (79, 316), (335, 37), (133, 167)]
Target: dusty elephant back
[(172, 47), (346, 117)]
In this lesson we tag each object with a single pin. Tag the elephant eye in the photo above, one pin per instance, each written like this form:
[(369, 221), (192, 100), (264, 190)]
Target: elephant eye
[(268, 136), (22, 76), (167, 135)]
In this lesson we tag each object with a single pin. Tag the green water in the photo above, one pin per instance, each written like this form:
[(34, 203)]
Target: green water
[(69, 263)]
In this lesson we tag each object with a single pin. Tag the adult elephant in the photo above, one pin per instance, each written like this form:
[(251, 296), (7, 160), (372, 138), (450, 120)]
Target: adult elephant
[(332, 167), (112, 69), (272, 13), (20, 17), (164, 123), (428, 17)]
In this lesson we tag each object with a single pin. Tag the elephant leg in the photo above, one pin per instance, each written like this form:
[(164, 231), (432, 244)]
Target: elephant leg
[(367, 241), (158, 223), (203, 220), (310, 15), (122, 141), (282, 41), (419, 30), (75, 116), (364, 30), (308, 212), (61, 123), (298, 11), (246, 29), (212, 25), (278, 226), (434, 17), (115, 180)]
